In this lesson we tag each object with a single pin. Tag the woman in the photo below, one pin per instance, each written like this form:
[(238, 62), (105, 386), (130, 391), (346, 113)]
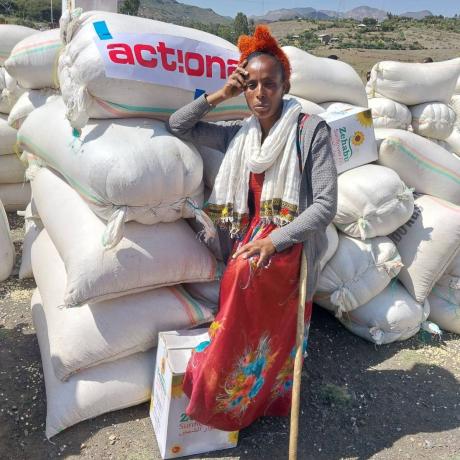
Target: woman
[(276, 191)]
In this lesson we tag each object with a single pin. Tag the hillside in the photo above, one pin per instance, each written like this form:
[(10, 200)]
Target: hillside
[(175, 12)]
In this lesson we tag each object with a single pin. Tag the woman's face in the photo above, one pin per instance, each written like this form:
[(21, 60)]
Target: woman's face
[(265, 88)]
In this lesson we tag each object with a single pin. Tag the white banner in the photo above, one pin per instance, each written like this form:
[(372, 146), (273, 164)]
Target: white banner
[(166, 60)]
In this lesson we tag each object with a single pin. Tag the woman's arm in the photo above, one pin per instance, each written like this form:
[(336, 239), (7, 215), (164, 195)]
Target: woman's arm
[(186, 125), (324, 187)]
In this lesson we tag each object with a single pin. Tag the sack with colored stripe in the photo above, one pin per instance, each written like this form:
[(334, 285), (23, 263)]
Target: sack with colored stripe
[(372, 201), (357, 272), (125, 169), (320, 79), (427, 243), (414, 83), (389, 114), (420, 163), (104, 388), (92, 334), (149, 256), (11, 34), (393, 315), (7, 251), (434, 120), (117, 66), (33, 61), (33, 225)]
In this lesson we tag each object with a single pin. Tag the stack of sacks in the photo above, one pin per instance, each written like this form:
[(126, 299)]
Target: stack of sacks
[(453, 140), (33, 64), (109, 241), (7, 251), (415, 97)]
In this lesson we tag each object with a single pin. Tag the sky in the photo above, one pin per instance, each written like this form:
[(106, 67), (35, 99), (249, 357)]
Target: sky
[(259, 7)]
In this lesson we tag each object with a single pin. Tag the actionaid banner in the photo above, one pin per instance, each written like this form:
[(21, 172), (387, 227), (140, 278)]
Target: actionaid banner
[(164, 59)]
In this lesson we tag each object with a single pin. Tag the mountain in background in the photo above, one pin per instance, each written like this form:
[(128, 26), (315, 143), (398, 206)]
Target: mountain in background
[(175, 12), (358, 13)]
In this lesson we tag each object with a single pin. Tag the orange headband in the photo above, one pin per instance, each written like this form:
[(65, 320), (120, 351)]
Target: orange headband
[(263, 41)]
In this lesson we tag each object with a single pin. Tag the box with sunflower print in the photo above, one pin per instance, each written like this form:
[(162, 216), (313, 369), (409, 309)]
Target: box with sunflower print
[(352, 137), (178, 435)]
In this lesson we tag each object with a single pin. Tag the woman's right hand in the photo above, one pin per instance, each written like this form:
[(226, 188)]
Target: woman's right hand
[(234, 86)]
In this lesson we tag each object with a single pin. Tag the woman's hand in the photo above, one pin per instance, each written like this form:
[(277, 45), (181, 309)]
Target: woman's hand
[(264, 248), (234, 86)]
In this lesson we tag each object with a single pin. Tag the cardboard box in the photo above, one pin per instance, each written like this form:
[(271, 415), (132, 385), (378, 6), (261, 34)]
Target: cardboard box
[(352, 137), (177, 435)]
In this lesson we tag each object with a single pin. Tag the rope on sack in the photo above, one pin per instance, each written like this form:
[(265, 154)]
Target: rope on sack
[(362, 223), (209, 230), (342, 299)]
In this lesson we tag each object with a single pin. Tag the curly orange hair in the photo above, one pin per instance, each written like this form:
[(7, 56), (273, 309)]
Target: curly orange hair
[(263, 42)]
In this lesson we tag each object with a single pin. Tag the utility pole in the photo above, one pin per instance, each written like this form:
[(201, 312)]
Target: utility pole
[(52, 18)]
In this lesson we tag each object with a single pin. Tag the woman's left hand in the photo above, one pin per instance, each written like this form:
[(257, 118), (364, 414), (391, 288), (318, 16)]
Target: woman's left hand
[(264, 248)]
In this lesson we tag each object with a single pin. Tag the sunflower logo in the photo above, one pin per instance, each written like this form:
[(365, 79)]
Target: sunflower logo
[(358, 138), (365, 118)]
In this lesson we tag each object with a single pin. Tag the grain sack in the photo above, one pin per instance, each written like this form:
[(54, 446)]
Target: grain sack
[(453, 141), (212, 160), (336, 106), (445, 308), (332, 245), (29, 101), (7, 251), (420, 163), (358, 271), (7, 136), (307, 106), (33, 61), (414, 83), (89, 93), (32, 228), (390, 316), (457, 86), (148, 256), (455, 104), (9, 94), (372, 201), (105, 388), (427, 243), (12, 169), (93, 334), (389, 114), (442, 144), (125, 169), (205, 293), (15, 197), (433, 119), (322, 80), (10, 35)]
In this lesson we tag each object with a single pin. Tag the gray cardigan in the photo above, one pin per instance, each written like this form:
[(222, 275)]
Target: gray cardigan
[(318, 188)]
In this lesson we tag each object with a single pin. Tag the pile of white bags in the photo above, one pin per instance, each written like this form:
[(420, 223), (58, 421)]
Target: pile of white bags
[(389, 114), (89, 93)]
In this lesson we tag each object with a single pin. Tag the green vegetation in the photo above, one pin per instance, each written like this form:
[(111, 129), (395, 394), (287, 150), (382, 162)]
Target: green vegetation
[(29, 13)]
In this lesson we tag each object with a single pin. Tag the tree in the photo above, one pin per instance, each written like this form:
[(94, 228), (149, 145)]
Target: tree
[(370, 21), (240, 25), (130, 7)]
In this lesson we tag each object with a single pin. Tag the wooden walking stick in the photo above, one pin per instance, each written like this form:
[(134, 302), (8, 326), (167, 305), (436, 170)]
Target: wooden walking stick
[(295, 405)]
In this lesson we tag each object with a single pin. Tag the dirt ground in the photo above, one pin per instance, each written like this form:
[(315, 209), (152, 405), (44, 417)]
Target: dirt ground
[(359, 401)]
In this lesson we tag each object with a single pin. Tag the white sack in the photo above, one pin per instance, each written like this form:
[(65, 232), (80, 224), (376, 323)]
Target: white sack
[(12, 169), (92, 392), (455, 104), (7, 136), (414, 83), (7, 251), (320, 79), (445, 308), (125, 169), (420, 163), (457, 86), (390, 316), (90, 335), (372, 201), (149, 256), (433, 119), (389, 114), (453, 141), (307, 106), (29, 101), (32, 228), (332, 245), (358, 271), (11, 34), (15, 197), (33, 61), (427, 243), (10, 94), (337, 106), (88, 93), (205, 293)]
